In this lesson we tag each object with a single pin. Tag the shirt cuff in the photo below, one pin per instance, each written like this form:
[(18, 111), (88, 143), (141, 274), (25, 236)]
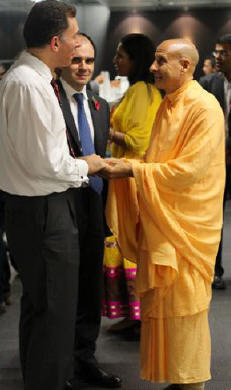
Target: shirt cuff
[(82, 170)]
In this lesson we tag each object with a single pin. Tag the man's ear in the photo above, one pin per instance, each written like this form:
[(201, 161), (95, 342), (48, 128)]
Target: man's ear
[(55, 43), (185, 64)]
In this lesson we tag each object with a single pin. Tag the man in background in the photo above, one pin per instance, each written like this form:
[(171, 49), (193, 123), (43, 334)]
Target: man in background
[(39, 174), (87, 116), (209, 65), (219, 85)]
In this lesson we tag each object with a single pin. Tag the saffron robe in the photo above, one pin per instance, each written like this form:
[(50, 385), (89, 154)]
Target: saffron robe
[(168, 219)]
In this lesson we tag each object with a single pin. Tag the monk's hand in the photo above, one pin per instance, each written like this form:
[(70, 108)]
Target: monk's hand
[(116, 168)]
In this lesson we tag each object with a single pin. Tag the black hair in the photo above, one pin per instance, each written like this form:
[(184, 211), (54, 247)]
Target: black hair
[(226, 38), (46, 19), (90, 40), (141, 51)]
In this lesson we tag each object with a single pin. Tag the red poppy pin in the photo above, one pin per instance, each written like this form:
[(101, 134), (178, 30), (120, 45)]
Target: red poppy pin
[(96, 103)]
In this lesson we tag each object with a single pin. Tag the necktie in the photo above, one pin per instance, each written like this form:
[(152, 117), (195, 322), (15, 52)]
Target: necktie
[(86, 140), (56, 91)]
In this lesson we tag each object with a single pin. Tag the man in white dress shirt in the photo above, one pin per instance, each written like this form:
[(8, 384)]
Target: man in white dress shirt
[(39, 174), (89, 209)]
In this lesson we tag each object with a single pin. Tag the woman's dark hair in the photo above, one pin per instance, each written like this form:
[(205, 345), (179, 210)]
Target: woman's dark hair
[(140, 50), (45, 20)]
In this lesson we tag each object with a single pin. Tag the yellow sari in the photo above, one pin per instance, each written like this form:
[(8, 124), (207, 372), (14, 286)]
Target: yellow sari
[(134, 117)]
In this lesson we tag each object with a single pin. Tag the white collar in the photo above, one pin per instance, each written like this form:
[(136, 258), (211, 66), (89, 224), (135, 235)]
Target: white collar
[(38, 65), (70, 91)]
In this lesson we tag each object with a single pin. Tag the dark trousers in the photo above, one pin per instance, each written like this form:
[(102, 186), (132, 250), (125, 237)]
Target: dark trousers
[(89, 211), (6, 274), (1, 268), (43, 239), (2, 251), (219, 270)]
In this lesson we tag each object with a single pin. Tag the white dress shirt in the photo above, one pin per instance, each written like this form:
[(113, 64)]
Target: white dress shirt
[(34, 154), (74, 106)]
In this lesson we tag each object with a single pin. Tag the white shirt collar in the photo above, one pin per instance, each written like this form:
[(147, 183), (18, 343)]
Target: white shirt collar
[(38, 65), (70, 91)]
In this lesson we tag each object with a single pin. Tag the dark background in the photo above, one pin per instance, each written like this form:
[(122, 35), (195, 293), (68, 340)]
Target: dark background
[(202, 26)]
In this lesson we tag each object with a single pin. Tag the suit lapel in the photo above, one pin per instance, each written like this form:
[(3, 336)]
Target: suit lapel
[(69, 117), (95, 115)]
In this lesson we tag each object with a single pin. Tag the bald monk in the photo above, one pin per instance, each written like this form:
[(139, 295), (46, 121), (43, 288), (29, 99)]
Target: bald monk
[(166, 212)]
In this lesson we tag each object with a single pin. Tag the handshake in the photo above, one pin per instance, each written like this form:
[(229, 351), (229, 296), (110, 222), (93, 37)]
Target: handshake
[(108, 168)]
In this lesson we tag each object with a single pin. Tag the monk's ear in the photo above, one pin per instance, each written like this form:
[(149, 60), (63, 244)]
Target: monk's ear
[(55, 43), (185, 65)]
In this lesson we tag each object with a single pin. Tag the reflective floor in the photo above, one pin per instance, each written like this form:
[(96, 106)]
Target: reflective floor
[(122, 357)]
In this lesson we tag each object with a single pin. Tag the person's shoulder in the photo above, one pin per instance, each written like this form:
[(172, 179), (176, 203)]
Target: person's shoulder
[(138, 86), (211, 78), (138, 90), (23, 76), (199, 98), (97, 100), (95, 97)]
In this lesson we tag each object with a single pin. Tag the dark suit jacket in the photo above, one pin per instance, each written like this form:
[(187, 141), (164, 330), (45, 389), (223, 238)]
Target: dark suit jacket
[(91, 225), (100, 119), (214, 83)]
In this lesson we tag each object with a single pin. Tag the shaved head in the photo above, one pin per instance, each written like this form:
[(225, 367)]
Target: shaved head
[(183, 48), (175, 63)]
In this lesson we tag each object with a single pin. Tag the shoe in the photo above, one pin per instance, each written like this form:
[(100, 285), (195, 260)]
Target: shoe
[(92, 374), (218, 283)]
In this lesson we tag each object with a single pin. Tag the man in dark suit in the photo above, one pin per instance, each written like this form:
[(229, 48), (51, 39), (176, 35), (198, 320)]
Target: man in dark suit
[(87, 117), (219, 85), (214, 83)]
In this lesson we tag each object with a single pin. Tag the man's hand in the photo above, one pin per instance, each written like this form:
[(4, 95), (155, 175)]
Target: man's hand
[(116, 168), (95, 163)]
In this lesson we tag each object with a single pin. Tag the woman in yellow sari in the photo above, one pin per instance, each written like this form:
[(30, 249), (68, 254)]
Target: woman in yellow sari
[(132, 123)]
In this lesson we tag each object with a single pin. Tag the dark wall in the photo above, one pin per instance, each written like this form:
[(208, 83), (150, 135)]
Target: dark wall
[(202, 26), (11, 39), (92, 19)]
